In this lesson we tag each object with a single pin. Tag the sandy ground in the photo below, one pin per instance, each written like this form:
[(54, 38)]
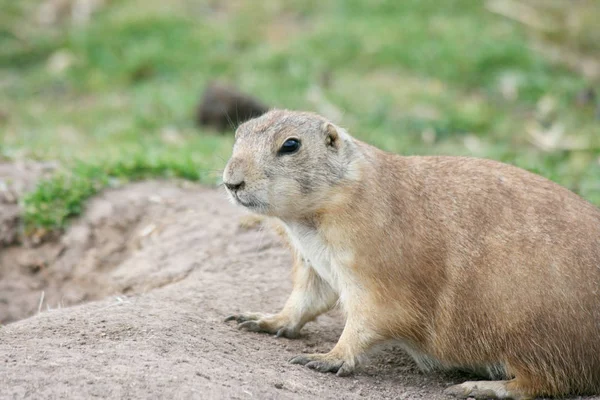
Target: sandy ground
[(151, 271)]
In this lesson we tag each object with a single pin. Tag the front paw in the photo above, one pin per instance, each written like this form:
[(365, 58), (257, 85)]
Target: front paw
[(326, 363), (258, 322)]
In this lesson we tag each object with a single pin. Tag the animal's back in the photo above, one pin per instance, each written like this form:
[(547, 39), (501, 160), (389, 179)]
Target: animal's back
[(521, 269)]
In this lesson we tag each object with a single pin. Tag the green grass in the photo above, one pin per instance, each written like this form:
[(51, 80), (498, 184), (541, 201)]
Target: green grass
[(411, 76), (57, 199)]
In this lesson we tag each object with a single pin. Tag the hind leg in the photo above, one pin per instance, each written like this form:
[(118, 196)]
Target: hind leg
[(489, 390)]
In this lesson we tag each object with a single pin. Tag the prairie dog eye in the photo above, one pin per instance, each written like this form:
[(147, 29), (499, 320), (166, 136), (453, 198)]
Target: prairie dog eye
[(290, 146)]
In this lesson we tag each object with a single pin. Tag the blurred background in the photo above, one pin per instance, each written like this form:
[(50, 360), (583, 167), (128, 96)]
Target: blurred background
[(110, 89)]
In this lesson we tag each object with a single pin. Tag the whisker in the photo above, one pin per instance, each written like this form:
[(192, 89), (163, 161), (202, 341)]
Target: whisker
[(229, 120), (261, 233), (220, 158)]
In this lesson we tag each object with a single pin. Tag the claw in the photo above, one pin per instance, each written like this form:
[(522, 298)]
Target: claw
[(302, 360), (242, 317), (325, 366), (324, 363), (287, 332), (251, 326), (345, 370), (258, 322)]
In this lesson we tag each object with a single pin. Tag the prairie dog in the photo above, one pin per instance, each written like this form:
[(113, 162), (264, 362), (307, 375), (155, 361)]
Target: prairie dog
[(468, 263)]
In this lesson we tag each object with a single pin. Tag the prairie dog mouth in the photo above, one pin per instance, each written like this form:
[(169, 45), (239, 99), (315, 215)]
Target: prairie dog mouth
[(252, 204), (248, 204)]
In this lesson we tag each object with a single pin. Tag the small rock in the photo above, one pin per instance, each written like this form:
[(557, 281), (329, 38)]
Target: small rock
[(279, 385), (223, 107)]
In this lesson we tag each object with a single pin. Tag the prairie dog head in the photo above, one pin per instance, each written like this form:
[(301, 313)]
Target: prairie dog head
[(288, 164)]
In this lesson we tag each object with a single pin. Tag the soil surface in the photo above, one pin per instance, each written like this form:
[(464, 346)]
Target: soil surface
[(151, 271), (16, 179)]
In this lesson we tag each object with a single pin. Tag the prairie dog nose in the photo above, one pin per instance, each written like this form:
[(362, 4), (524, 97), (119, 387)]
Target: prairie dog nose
[(234, 187), (234, 174)]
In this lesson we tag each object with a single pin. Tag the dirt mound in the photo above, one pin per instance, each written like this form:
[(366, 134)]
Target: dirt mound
[(97, 257), (184, 262), (16, 179)]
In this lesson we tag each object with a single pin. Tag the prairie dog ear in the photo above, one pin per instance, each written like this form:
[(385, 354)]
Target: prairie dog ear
[(332, 137)]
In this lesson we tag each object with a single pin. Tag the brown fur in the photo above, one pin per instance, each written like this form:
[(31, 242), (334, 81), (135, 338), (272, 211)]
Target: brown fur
[(223, 107), (468, 263)]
